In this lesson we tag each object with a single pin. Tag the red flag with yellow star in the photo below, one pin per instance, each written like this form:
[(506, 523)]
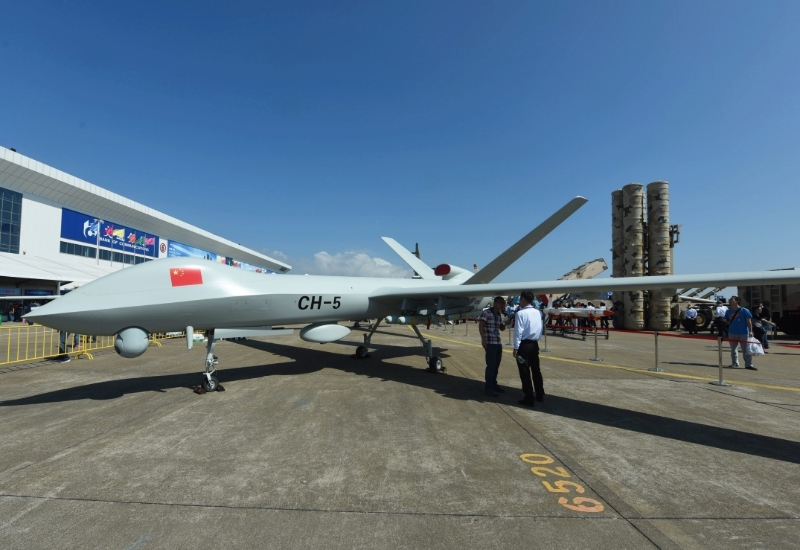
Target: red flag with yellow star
[(183, 276)]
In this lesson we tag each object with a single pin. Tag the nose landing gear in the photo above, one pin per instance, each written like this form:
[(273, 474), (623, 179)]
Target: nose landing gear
[(210, 382)]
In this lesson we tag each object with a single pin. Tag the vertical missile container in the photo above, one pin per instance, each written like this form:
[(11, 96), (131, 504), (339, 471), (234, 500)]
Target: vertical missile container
[(659, 253), (633, 252), (617, 239)]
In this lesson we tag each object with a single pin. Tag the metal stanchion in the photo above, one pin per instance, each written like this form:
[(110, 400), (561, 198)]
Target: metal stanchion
[(720, 382), (509, 337), (466, 327), (544, 333), (656, 368), (595, 358)]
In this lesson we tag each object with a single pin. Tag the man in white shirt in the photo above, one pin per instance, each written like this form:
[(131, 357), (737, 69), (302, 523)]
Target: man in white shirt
[(719, 318), (527, 331), (691, 319)]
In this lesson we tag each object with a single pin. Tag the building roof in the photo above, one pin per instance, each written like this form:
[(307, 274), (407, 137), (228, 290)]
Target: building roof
[(27, 175), (43, 269)]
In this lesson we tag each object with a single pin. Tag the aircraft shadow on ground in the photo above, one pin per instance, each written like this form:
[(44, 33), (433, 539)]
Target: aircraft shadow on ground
[(303, 360)]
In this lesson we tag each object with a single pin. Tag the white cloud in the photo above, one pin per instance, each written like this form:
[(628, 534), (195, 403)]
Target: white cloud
[(356, 264)]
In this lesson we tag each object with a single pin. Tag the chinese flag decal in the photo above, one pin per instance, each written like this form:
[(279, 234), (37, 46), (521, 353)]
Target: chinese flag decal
[(182, 276)]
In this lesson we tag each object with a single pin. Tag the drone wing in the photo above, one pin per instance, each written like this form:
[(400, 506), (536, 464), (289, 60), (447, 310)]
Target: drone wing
[(515, 252), (664, 282)]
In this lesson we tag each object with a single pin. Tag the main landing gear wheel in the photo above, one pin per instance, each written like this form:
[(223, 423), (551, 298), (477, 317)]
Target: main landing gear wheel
[(210, 383), (435, 365), (361, 352)]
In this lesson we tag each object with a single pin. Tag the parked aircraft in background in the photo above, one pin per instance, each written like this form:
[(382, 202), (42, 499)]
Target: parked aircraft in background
[(177, 294)]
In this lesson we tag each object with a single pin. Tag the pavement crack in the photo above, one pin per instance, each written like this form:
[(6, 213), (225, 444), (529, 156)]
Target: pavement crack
[(782, 406)]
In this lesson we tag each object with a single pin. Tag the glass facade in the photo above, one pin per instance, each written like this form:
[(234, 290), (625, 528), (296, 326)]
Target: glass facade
[(78, 250), (10, 218), (119, 257)]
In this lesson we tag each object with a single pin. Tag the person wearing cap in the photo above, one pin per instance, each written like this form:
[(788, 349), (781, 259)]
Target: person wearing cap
[(490, 325), (691, 319), (527, 332)]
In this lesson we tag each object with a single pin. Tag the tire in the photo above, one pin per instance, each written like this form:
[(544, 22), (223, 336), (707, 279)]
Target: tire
[(703, 319), (210, 384), (361, 352), (435, 364)]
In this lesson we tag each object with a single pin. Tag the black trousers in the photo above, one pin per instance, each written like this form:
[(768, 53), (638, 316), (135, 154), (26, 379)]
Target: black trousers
[(529, 349), (691, 326)]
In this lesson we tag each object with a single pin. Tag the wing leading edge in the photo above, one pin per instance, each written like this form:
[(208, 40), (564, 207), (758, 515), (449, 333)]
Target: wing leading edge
[(663, 282)]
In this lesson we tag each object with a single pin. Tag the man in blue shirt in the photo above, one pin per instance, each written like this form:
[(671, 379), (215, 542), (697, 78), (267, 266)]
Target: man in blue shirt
[(740, 328)]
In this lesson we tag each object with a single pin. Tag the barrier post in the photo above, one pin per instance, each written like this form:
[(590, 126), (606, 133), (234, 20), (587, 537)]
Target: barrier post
[(544, 332), (466, 327), (595, 358), (720, 382), (656, 368)]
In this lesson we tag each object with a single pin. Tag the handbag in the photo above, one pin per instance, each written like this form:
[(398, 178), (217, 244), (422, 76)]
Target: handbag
[(753, 347)]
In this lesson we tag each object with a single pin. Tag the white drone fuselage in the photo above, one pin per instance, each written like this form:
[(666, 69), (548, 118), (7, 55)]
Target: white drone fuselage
[(143, 296)]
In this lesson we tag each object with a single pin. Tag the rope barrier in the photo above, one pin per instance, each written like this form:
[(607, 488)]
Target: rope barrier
[(574, 329), (591, 326)]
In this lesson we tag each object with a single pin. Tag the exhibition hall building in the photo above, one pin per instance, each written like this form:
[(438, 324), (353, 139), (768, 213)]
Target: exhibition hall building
[(58, 232)]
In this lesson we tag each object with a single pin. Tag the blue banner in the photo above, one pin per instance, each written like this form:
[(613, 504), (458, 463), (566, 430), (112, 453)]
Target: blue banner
[(180, 250), (37, 292), (82, 228)]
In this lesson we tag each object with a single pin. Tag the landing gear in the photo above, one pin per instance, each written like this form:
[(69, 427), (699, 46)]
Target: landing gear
[(210, 381), (434, 363), (363, 351)]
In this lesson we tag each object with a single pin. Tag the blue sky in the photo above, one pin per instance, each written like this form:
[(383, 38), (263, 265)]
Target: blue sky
[(308, 127)]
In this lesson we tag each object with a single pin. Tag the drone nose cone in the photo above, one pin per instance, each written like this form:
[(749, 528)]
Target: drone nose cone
[(57, 313)]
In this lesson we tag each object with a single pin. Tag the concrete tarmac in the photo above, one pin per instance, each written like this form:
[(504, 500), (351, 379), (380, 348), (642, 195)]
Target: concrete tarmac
[(309, 447)]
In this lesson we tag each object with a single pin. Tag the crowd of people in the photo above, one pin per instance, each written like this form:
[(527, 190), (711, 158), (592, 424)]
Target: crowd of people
[(525, 316), (16, 311)]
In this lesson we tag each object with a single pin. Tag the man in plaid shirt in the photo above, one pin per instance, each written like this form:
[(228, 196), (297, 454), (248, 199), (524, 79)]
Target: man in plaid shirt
[(490, 326)]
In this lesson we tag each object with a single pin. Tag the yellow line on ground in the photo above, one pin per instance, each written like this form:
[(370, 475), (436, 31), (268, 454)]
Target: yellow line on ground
[(633, 369)]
